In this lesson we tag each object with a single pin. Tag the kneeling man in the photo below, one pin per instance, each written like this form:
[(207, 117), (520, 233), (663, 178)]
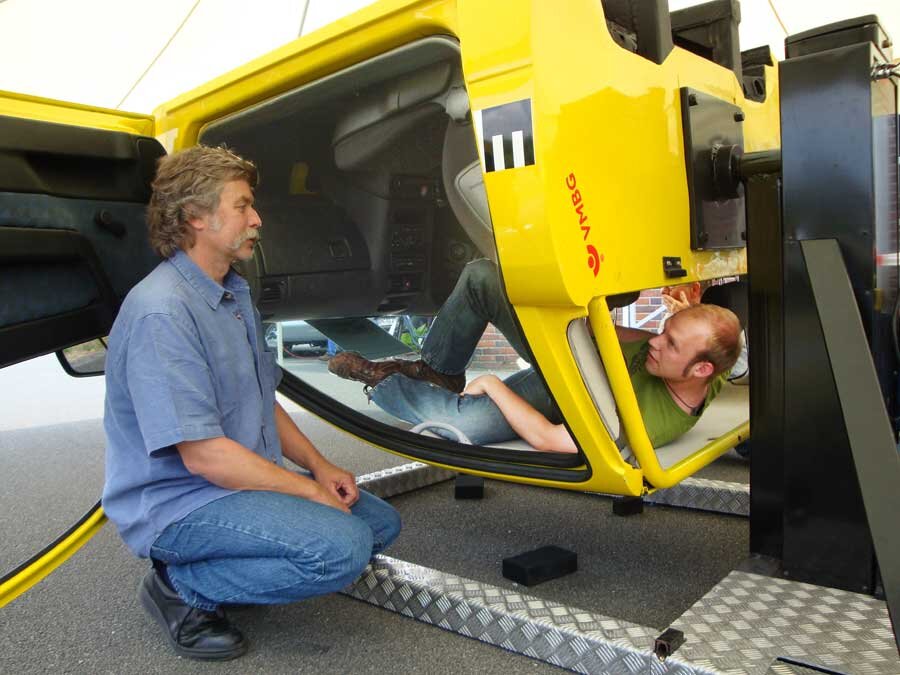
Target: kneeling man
[(194, 473)]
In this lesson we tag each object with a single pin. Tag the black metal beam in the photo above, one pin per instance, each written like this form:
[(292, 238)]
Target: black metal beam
[(868, 427)]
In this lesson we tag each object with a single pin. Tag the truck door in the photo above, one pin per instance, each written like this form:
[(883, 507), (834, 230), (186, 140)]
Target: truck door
[(74, 184), (73, 188)]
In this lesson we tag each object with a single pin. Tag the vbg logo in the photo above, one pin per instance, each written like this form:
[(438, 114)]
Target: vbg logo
[(594, 257)]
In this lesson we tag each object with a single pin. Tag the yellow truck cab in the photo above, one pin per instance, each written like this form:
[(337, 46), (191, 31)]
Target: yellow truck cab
[(569, 143), (386, 147)]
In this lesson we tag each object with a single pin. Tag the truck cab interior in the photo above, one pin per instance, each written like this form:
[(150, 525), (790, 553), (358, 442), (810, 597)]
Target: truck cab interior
[(373, 200)]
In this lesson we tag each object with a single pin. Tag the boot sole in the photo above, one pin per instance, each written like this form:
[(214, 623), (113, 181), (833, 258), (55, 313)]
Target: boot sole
[(198, 654)]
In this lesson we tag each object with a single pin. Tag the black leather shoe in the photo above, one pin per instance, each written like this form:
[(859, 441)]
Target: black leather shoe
[(194, 633)]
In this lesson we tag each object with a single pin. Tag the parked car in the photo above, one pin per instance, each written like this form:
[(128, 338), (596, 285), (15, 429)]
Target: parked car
[(296, 336)]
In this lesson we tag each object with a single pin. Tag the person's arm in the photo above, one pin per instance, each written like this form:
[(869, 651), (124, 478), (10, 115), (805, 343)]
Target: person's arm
[(171, 387), (531, 425), (300, 450), (230, 465)]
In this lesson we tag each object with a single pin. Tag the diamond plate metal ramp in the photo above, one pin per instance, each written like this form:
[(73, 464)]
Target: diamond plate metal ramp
[(739, 628), (563, 636), (706, 495), (405, 478), (748, 620)]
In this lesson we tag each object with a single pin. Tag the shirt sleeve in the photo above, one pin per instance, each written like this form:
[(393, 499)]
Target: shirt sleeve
[(170, 383)]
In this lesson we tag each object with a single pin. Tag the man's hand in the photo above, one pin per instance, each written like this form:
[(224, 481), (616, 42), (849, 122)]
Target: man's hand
[(481, 385), (677, 298), (338, 483), (323, 495)]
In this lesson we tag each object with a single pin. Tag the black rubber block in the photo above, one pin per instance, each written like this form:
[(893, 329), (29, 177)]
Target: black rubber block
[(469, 487), (628, 506), (539, 565), (667, 643)]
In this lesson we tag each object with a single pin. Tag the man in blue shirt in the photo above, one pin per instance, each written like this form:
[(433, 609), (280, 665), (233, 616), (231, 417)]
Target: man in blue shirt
[(195, 438)]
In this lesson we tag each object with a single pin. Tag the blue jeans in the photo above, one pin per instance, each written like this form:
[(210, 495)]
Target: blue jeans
[(476, 300), (255, 547)]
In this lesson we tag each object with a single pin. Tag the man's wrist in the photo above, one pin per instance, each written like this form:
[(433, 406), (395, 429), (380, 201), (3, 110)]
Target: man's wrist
[(307, 487), (316, 463)]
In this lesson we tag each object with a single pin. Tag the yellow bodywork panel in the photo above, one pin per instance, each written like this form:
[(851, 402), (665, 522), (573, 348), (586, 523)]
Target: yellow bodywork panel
[(605, 201), (48, 110)]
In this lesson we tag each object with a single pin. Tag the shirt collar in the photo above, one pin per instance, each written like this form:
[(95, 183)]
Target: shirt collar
[(208, 289)]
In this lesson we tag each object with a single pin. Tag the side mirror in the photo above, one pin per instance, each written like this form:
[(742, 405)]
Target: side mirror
[(87, 359)]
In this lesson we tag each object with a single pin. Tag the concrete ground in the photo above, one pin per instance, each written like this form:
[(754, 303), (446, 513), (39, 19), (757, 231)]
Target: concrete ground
[(85, 618)]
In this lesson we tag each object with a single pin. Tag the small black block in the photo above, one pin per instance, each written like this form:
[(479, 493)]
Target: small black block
[(628, 506), (666, 644), (469, 487), (539, 565)]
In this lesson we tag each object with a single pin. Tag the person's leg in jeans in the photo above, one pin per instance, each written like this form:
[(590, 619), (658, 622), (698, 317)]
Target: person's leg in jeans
[(255, 547), (476, 300), (477, 417)]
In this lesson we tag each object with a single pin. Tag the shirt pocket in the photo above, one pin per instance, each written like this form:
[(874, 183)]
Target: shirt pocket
[(234, 367)]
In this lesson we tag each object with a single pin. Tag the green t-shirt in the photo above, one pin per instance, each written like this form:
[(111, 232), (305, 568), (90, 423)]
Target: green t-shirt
[(664, 420)]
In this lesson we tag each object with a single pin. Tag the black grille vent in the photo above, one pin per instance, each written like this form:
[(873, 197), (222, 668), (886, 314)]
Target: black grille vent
[(271, 293)]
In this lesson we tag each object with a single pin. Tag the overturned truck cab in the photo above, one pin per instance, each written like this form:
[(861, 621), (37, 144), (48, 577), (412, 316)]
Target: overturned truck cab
[(593, 153), (395, 148)]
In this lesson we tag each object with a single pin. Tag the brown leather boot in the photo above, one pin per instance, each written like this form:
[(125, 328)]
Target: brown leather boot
[(419, 370), (353, 366)]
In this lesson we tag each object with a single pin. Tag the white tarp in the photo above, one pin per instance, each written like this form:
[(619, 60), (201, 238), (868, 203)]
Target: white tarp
[(94, 51), (134, 55)]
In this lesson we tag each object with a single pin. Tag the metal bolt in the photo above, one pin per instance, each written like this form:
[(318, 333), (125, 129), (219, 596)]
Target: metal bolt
[(692, 99), (738, 116)]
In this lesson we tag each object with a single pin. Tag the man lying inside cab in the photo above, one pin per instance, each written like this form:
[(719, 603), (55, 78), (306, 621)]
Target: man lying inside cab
[(675, 374)]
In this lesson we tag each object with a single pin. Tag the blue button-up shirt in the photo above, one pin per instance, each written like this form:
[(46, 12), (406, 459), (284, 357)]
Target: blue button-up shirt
[(186, 362)]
